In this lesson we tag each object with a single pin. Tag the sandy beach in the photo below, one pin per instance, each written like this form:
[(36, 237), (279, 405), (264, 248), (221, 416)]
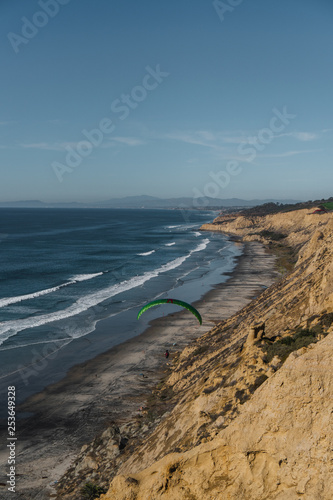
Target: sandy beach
[(114, 385)]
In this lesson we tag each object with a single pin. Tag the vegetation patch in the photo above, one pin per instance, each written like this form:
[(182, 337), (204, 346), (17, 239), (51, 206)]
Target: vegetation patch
[(272, 235), (326, 320), (283, 347), (286, 257), (91, 491), (274, 208)]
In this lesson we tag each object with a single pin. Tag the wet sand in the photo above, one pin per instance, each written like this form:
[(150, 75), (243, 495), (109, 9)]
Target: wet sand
[(112, 386)]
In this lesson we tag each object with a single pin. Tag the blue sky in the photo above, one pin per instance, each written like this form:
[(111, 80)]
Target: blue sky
[(184, 97)]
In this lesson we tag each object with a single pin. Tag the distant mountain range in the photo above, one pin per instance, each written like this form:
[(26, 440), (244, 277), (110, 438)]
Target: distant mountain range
[(149, 202)]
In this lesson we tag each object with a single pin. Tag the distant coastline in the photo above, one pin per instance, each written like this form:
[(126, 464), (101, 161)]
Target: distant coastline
[(149, 202)]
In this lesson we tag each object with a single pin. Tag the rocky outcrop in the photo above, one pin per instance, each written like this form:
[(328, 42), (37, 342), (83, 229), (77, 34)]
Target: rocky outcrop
[(256, 333), (252, 398)]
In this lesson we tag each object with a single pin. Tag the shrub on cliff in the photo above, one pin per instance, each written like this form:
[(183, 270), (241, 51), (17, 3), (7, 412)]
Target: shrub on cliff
[(272, 235), (91, 491), (283, 347)]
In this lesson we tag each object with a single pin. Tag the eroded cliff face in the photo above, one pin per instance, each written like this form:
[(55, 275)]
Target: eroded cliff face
[(297, 226), (279, 446), (253, 413)]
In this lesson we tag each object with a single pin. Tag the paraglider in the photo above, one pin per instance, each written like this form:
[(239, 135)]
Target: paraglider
[(171, 301)]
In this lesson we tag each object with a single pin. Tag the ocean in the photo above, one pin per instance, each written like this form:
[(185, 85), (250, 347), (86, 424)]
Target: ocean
[(72, 281)]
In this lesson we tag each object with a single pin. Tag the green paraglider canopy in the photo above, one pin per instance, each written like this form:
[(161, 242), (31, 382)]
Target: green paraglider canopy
[(172, 301)]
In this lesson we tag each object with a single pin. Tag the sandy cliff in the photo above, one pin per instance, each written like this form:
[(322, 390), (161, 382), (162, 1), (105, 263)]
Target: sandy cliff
[(297, 226), (279, 446), (253, 397)]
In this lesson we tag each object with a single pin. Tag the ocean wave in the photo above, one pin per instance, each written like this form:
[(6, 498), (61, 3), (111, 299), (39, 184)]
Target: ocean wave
[(187, 273), (6, 301), (196, 233), (182, 226), (84, 277), (10, 328), (201, 246), (170, 244), (50, 341), (19, 298), (222, 249), (146, 253)]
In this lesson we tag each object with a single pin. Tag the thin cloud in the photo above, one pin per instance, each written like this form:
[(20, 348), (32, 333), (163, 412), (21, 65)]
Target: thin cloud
[(39, 145), (301, 136), (237, 140), (61, 146), (306, 136), (57, 146), (206, 135), (217, 140), (291, 153), (200, 138), (129, 141), (206, 138)]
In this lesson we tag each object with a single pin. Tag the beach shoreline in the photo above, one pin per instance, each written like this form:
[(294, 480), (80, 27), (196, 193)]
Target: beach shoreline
[(113, 386)]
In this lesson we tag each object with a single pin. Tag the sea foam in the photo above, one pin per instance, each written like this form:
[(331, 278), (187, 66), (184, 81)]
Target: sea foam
[(11, 328), (6, 301), (146, 253)]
